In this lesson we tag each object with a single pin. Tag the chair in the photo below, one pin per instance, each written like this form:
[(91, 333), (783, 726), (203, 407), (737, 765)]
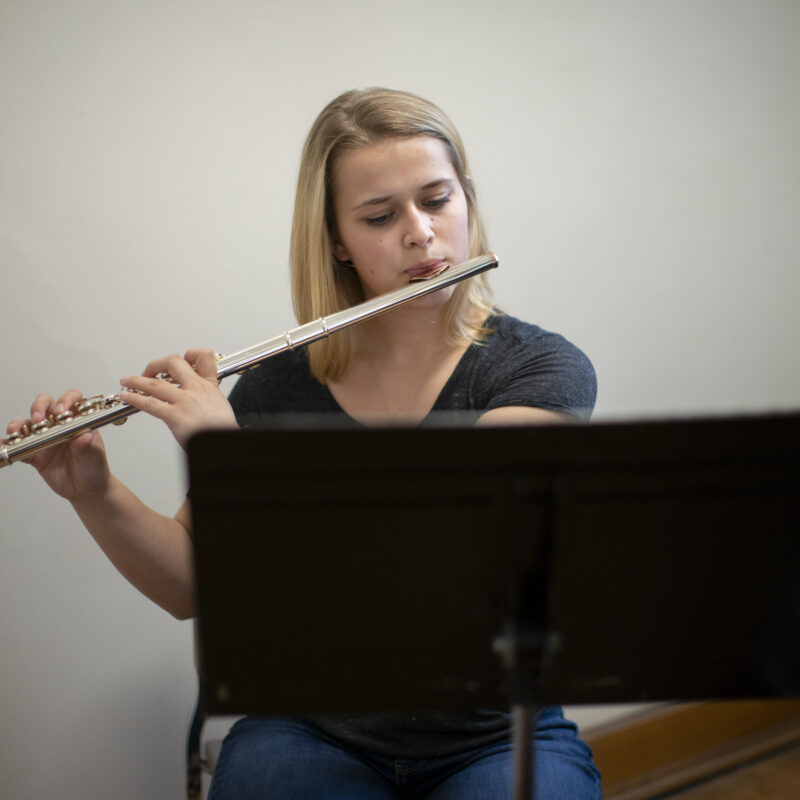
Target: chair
[(194, 760), (201, 756)]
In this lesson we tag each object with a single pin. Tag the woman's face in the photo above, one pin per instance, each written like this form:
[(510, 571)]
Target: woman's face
[(400, 213)]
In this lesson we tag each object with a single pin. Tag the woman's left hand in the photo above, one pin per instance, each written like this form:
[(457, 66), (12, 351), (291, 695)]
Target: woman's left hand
[(191, 401)]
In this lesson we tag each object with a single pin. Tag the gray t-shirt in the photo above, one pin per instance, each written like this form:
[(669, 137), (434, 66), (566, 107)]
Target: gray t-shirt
[(518, 365)]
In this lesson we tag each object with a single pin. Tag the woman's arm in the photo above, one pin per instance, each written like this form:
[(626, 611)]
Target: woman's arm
[(521, 415), (153, 551)]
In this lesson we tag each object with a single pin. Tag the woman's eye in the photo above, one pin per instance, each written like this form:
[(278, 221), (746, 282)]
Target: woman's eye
[(382, 219), (438, 202)]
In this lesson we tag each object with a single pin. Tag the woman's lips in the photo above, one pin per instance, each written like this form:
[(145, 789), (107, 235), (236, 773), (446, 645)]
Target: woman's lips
[(426, 270)]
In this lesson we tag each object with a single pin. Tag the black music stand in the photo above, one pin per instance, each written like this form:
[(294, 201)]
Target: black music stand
[(455, 568)]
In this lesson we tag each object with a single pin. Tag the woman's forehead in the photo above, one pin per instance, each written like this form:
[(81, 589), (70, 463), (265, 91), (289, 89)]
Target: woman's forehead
[(391, 165)]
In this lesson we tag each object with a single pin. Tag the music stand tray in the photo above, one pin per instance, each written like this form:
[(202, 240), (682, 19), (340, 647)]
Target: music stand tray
[(342, 570)]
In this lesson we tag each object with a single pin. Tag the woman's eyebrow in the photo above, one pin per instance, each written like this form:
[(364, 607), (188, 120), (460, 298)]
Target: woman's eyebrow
[(438, 182), (376, 201), (373, 201)]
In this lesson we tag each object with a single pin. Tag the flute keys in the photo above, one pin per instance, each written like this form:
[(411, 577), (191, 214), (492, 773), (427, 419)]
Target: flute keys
[(111, 401), (88, 405), (41, 427), (14, 438), (82, 407)]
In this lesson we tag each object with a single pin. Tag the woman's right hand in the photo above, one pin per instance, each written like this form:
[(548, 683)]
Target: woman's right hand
[(75, 469)]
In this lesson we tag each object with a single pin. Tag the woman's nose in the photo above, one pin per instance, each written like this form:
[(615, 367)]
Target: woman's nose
[(419, 230)]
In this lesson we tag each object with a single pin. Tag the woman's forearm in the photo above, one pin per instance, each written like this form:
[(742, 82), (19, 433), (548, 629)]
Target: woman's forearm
[(153, 551)]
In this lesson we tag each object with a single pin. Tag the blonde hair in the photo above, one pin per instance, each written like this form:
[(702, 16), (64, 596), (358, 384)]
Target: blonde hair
[(320, 283)]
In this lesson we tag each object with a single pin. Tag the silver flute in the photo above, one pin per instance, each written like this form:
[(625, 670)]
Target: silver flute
[(94, 412)]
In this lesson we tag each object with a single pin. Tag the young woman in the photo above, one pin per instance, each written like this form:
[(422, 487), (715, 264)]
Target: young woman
[(384, 196)]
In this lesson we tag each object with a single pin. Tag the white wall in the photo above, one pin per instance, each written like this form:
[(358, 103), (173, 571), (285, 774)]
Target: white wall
[(638, 166)]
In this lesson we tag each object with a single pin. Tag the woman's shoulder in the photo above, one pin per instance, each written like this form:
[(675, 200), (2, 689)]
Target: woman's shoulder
[(507, 327), (510, 333), (525, 364)]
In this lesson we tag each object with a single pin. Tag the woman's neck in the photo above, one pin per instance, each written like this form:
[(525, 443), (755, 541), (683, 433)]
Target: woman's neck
[(402, 337), (398, 367)]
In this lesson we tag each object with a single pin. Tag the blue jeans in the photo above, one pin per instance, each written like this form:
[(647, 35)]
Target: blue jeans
[(276, 757)]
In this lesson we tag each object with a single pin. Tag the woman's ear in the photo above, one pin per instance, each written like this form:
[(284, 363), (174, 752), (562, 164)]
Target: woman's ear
[(340, 251)]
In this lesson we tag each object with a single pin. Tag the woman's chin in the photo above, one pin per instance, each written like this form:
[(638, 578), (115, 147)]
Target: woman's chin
[(432, 301)]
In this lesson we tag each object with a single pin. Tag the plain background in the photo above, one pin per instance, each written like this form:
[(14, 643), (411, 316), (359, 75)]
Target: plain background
[(637, 166)]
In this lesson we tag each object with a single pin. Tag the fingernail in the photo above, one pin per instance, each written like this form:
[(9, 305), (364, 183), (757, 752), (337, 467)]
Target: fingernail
[(37, 416), (59, 408)]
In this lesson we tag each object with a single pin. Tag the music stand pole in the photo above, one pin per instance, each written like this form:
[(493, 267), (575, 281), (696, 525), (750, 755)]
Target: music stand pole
[(526, 656), (522, 716)]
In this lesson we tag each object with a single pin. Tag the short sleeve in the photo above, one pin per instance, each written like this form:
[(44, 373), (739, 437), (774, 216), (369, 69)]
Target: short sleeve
[(524, 365)]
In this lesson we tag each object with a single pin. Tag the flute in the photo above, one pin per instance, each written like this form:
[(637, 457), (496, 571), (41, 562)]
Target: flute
[(94, 412)]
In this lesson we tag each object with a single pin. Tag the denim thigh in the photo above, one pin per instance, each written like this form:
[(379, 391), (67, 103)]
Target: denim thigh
[(562, 764), (276, 757), (287, 759)]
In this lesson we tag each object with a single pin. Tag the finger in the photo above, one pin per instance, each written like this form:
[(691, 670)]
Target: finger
[(161, 389), (173, 365), (204, 362), (44, 406), (40, 407), (69, 398), (154, 406), (15, 425), (75, 445), (83, 440)]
